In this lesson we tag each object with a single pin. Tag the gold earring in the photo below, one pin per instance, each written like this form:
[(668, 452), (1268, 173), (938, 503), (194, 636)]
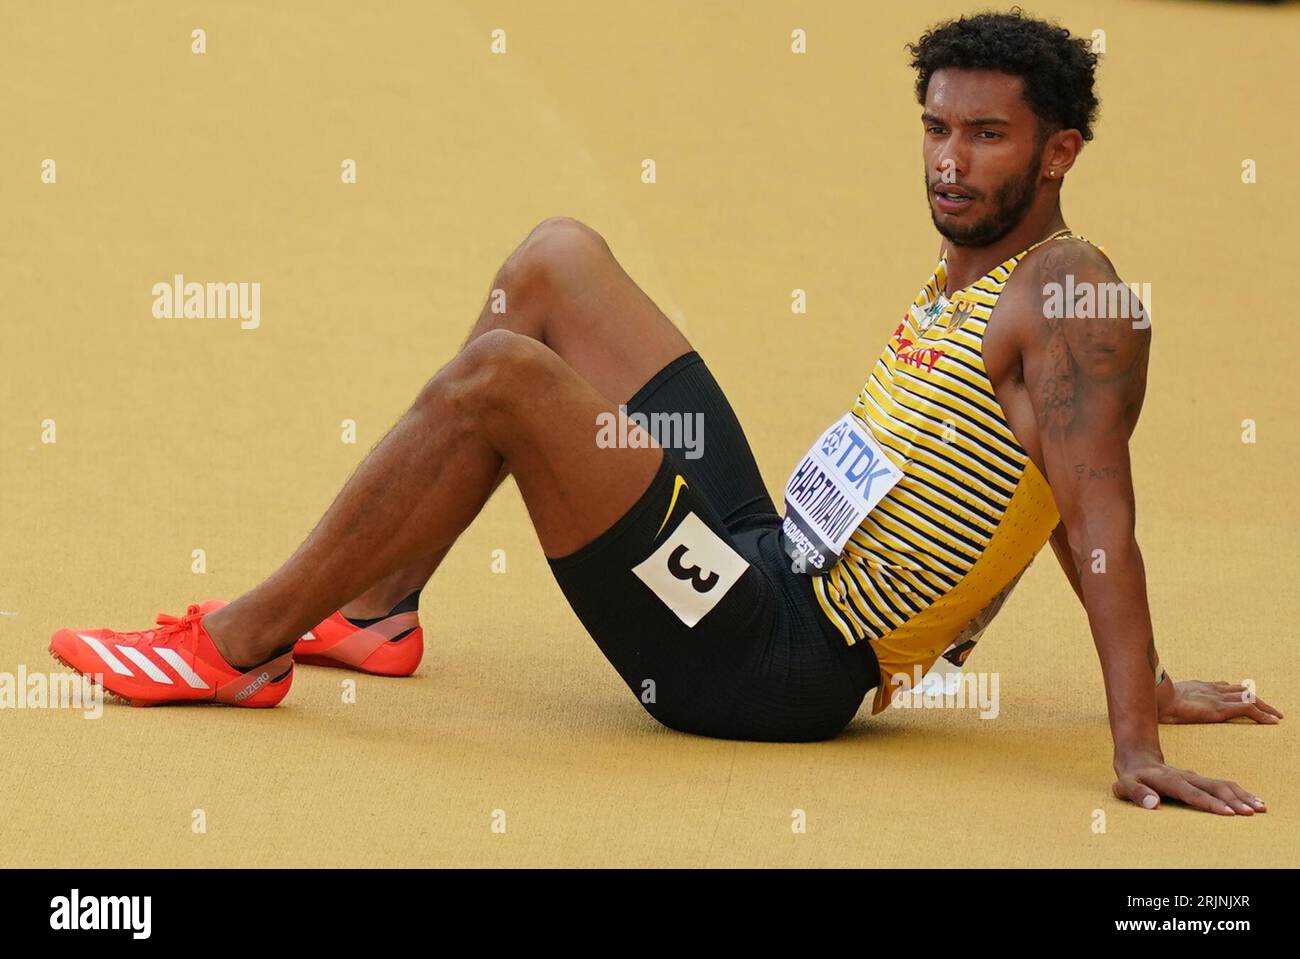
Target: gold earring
[(1051, 173)]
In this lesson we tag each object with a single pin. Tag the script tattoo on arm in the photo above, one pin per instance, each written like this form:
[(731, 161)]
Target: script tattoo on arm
[(1083, 471)]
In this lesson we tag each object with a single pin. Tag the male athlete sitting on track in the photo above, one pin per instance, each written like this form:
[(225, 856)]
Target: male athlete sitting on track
[(990, 424)]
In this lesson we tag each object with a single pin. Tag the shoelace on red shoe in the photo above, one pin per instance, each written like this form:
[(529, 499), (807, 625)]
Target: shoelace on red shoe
[(171, 624)]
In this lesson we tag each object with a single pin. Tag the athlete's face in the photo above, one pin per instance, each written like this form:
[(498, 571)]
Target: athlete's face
[(983, 155)]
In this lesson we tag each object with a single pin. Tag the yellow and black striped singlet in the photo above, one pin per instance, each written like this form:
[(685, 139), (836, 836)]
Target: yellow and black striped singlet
[(933, 561)]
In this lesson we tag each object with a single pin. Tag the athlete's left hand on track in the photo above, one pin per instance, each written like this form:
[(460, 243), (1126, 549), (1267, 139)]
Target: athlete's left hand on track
[(1196, 701), (1144, 779)]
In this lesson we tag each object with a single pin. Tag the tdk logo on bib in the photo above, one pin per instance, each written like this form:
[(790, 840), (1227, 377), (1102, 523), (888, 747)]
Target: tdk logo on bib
[(834, 487)]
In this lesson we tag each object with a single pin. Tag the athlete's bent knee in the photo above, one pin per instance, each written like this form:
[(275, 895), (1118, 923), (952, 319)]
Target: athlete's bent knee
[(492, 373), (559, 250), (565, 228)]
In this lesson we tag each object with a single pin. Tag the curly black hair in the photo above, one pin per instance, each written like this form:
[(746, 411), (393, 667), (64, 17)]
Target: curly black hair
[(1057, 68)]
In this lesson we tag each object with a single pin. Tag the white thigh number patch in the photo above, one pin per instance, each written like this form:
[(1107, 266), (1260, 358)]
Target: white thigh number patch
[(691, 570)]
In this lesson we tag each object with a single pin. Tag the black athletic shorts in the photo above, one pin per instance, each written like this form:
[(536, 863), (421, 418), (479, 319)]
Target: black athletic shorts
[(691, 598)]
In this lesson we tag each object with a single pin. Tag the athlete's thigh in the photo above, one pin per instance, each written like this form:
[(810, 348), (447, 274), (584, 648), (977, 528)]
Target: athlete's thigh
[(642, 556), (551, 427), (598, 320)]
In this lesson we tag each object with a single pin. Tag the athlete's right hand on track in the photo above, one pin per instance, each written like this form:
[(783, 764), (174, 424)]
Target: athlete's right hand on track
[(1144, 780)]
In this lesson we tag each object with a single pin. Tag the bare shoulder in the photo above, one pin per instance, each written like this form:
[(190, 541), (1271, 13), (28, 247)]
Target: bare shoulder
[(1057, 272)]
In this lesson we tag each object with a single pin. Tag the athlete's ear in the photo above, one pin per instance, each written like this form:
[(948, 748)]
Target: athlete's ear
[(1060, 152)]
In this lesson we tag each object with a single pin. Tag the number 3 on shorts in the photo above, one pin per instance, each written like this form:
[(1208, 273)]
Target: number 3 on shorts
[(691, 570)]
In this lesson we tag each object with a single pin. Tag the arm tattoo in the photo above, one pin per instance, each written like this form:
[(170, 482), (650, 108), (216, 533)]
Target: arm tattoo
[(1083, 471), (1057, 387), (1084, 359)]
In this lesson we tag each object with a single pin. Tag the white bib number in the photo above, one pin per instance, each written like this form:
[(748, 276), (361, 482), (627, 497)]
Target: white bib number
[(691, 570)]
